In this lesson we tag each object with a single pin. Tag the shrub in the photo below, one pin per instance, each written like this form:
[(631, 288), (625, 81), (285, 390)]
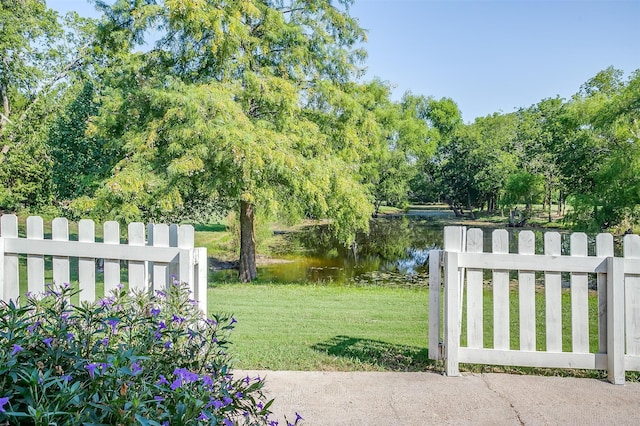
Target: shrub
[(126, 359)]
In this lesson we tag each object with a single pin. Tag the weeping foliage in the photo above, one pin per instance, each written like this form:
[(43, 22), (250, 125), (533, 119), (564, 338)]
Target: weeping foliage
[(239, 101)]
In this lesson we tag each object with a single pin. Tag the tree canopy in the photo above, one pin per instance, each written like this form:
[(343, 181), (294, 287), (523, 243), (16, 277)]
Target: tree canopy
[(258, 107)]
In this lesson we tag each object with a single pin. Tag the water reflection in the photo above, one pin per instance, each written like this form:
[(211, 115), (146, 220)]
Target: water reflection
[(394, 246), (395, 252)]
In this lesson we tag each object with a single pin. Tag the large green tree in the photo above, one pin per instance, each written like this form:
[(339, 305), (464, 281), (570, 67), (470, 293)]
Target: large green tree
[(402, 135), (246, 104), (39, 54), (444, 121), (540, 140), (603, 119)]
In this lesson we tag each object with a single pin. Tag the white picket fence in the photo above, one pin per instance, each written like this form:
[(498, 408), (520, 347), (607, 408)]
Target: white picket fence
[(463, 263), (152, 261)]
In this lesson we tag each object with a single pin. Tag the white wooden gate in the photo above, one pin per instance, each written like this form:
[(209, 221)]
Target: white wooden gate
[(153, 260), (463, 264)]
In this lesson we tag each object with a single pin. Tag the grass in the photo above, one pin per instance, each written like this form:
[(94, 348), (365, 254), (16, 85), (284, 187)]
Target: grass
[(337, 328), (217, 240), (307, 327)]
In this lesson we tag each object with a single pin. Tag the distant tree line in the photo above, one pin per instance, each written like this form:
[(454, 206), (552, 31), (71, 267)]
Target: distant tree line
[(257, 107)]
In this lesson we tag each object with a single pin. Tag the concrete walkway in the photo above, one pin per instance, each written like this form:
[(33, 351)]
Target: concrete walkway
[(363, 398)]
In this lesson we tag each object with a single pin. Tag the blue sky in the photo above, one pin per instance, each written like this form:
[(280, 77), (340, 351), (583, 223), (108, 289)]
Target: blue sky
[(489, 56)]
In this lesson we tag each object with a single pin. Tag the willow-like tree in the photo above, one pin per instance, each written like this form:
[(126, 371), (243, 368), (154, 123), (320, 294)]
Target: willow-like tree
[(240, 104)]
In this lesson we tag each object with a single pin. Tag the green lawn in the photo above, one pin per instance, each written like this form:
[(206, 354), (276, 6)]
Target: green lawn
[(306, 327), (314, 327)]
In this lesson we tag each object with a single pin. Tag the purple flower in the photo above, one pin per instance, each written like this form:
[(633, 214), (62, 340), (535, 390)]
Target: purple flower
[(105, 341), (203, 417), (239, 395), (177, 319), (186, 375), (113, 322), (161, 325), (161, 293), (70, 336), (91, 368), (65, 315), (135, 368), (159, 398), (215, 403), (233, 321), (47, 341), (273, 423), (227, 400), (106, 302), (228, 422), (259, 405), (167, 345), (120, 286), (155, 312), (157, 335), (16, 349), (33, 326), (247, 380), (163, 380), (176, 384), (28, 294), (67, 378), (207, 380), (104, 366), (3, 402)]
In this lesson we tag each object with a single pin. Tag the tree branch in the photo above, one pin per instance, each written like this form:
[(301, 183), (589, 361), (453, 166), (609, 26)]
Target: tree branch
[(63, 73), (5, 118)]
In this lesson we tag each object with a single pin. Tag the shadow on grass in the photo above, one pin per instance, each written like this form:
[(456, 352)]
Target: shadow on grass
[(379, 354)]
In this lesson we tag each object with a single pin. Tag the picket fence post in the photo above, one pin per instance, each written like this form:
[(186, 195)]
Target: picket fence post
[(615, 320), (60, 232), (137, 269), (9, 229), (604, 248), (501, 315), (453, 279), (87, 265), (435, 286), (527, 294)]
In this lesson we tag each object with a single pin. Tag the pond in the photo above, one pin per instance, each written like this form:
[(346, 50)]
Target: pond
[(396, 249), (394, 253)]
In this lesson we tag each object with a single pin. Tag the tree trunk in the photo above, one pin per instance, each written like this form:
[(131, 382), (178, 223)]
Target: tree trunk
[(560, 201), (456, 211), (6, 111), (247, 268)]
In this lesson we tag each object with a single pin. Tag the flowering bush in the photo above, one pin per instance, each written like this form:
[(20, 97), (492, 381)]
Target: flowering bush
[(126, 359)]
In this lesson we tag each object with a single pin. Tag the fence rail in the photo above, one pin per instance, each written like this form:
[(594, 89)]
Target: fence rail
[(464, 264), (152, 253)]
